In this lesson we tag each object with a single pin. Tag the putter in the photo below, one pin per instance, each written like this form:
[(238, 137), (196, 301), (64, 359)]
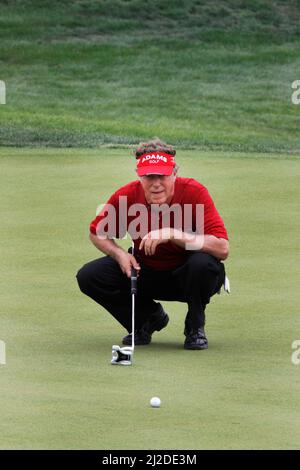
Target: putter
[(124, 356)]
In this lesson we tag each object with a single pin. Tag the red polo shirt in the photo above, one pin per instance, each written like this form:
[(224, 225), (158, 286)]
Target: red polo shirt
[(167, 255)]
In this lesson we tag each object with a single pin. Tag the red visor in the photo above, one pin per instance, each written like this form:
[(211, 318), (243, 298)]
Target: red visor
[(155, 163)]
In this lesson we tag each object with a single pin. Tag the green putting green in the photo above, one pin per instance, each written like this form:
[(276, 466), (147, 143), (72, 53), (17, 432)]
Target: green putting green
[(58, 389)]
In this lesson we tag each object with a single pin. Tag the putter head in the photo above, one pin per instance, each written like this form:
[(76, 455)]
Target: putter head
[(122, 356)]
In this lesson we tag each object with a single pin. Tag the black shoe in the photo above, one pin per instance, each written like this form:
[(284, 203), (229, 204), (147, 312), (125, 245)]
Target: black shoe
[(156, 322), (195, 339)]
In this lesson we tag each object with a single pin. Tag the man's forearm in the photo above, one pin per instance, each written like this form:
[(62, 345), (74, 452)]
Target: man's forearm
[(107, 246), (218, 247)]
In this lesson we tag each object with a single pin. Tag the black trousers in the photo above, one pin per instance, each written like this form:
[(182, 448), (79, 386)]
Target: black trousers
[(194, 283)]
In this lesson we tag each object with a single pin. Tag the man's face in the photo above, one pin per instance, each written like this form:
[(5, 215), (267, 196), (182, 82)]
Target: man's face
[(159, 189)]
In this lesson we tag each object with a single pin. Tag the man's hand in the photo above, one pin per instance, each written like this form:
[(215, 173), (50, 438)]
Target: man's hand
[(217, 247), (154, 238), (126, 262)]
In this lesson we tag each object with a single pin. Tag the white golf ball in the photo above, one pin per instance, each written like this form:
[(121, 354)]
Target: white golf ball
[(155, 402)]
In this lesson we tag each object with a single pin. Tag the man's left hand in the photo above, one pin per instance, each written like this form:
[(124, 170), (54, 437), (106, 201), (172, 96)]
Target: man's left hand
[(154, 238)]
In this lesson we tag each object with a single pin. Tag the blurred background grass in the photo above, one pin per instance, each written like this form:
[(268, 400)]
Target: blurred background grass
[(206, 74)]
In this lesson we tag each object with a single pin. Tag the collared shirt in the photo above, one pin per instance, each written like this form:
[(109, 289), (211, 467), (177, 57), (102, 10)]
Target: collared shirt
[(188, 193)]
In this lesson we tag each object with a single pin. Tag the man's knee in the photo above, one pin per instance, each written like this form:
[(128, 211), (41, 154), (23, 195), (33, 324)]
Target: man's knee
[(207, 271), (203, 263), (83, 278), (103, 275)]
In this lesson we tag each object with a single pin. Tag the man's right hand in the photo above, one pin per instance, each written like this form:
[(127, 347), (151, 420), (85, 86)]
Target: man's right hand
[(126, 262)]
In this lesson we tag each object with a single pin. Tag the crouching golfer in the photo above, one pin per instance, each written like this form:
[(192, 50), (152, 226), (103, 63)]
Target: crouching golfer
[(179, 243)]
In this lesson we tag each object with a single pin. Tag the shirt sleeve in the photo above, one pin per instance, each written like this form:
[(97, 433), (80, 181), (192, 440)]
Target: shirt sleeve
[(213, 222), (106, 221)]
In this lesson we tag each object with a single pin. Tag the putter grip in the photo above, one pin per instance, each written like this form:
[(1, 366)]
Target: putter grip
[(133, 281)]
